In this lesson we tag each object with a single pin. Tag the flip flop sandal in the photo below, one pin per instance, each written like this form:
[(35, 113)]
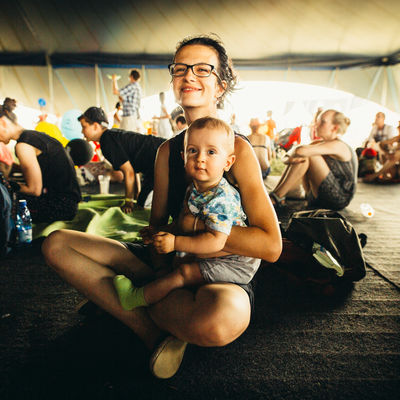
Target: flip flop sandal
[(277, 201)]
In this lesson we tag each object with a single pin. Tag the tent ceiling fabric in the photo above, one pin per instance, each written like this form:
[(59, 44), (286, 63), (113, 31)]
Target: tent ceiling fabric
[(259, 35)]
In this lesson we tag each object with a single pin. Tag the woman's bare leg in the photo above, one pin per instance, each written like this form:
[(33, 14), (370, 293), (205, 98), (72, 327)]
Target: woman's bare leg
[(312, 172), (317, 171), (214, 316), (83, 261), (292, 177)]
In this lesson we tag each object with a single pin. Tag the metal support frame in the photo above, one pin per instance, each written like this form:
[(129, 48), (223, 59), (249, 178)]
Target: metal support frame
[(374, 82), (393, 88), (66, 89)]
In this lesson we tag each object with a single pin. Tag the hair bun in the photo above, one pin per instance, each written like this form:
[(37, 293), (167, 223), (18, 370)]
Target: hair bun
[(9, 104)]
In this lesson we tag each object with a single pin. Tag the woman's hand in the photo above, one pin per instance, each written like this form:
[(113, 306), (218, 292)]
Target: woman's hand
[(147, 234), (294, 159)]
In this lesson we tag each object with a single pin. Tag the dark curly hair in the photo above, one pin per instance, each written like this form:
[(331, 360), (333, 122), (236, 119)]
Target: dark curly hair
[(6, 110), (225, 69)]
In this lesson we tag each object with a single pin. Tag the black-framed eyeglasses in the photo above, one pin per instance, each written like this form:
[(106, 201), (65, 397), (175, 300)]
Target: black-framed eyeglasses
[(202, 70)]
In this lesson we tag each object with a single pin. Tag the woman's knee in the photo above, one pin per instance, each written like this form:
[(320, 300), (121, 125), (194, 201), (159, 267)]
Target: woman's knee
[(222, 321), (52, 245)]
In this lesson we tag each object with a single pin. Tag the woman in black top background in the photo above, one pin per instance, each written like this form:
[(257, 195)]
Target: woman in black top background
[(50, 184)]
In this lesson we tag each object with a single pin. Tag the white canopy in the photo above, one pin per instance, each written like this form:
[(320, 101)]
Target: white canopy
[(62, 51)]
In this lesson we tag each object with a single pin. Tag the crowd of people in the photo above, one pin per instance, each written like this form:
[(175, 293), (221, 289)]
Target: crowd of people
[(189, 280)]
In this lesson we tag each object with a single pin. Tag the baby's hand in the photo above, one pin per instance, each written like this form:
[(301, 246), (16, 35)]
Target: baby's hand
[(164, 242)]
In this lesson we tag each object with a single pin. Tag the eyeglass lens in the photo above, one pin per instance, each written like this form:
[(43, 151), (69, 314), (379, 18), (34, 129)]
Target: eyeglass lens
[(198, 69)]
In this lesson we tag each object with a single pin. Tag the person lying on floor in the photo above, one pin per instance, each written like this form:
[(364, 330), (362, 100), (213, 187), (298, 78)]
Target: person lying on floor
[(129, 152), (51, 187), (208, 153), (390, 171), (327, 167)]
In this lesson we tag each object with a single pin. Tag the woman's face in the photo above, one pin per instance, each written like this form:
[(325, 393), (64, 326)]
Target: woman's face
[(190, 90), (325, 126)]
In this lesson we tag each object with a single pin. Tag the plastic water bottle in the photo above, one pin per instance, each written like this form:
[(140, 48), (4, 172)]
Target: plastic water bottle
[(367, 210), (24, 224)]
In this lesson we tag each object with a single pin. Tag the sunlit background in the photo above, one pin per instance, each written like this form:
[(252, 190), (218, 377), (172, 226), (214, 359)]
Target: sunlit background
[(292, 104)]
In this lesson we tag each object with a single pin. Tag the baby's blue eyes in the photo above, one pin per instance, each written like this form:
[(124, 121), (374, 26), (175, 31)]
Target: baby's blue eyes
[(194, 151)]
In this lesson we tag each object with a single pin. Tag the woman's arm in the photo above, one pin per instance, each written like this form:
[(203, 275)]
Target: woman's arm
[(335, 148), (159, 211), (27, 156), (262, 238)]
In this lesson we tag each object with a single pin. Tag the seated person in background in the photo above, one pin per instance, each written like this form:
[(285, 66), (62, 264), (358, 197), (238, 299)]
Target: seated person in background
[(117, 115), (51, 188), (130, 152), (367, 161), (208, 153), (327, 166), (380, 132), (235, 127), (271, 132), (390, 171), (164, 129), (261, 145)]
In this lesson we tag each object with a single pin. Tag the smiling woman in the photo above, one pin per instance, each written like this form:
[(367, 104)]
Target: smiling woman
[(214, 314)]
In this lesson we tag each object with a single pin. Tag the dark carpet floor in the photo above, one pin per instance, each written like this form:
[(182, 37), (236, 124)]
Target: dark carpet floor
[(299, 345)]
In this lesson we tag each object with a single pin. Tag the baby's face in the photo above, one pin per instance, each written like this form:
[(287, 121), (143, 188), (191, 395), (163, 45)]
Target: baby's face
[(207, 155)]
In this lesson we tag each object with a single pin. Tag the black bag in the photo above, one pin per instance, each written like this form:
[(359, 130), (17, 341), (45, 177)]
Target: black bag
[(330, 230), (8, 209)]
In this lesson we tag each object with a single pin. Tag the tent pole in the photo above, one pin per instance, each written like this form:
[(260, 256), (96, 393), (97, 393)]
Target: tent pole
[(384, 87), (51, 83), (1, 79), (96, 77), (374, 82), (332, 78), (393, 90), (144, 80), (66, 90), (286, 74), (103, 90)]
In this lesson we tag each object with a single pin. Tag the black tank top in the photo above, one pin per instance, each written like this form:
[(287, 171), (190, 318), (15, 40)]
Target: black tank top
[(177, 178)]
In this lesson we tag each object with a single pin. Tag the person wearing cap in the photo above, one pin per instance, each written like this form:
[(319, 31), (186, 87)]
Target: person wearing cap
[(50, 184), (130, 97), (129, 152)]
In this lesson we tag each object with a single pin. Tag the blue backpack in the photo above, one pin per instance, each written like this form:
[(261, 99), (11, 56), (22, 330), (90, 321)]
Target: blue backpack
[(7, 216)]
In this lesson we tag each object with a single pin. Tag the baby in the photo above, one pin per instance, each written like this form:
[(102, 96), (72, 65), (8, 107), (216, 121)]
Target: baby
[(215, 204)]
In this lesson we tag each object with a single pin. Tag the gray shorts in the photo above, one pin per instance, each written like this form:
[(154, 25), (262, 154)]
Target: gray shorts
[(230, 268), (142, 252)]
